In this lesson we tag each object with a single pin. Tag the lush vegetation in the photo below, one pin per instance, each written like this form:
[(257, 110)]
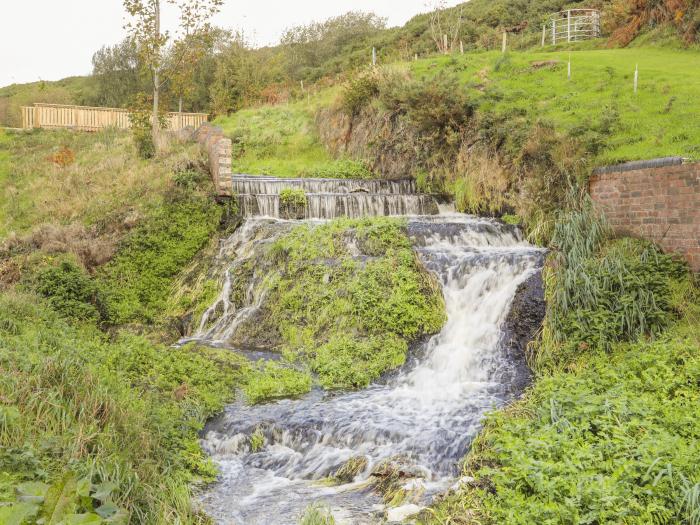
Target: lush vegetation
[(608, 431), (283, 141), (347, 316), (99, 421), (93, 426), (120, 414)]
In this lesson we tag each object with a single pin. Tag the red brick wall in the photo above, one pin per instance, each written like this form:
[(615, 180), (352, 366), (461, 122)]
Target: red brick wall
[(659, 204)]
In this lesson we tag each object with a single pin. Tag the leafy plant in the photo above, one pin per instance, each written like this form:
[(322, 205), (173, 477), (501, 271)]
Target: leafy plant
[(270, 380), (294, 197), (359, 91), (70, 290)]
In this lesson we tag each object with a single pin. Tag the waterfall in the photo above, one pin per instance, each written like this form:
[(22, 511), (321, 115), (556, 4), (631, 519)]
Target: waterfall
[(254, 184), (429, 412), (331, 198)]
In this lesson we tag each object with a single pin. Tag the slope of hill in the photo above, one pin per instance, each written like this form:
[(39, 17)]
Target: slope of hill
[(72, 90)]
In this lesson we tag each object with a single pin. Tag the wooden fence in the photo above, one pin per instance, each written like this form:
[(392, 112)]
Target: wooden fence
[(85, 118)]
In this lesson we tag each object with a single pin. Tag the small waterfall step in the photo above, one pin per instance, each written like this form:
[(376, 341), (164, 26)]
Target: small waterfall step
[(330, 198), (263, 184)]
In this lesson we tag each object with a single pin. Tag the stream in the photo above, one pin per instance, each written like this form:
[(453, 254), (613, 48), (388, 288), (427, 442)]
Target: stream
[(427, 413)]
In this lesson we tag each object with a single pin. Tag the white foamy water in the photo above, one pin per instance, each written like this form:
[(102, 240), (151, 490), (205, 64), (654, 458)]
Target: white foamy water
[(332, 198), (429, 412)]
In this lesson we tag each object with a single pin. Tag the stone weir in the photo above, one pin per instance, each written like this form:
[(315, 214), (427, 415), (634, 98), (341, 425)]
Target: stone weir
[(328, 198)]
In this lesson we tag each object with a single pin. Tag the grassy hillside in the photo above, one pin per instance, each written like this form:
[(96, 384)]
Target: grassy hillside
[(72, 90), (598, 106), (598, 101)]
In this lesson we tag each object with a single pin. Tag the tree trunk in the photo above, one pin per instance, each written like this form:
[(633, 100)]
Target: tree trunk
[(155, 127), (179, 105)]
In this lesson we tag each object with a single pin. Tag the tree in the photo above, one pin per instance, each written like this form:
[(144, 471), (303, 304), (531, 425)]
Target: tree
[(443, 27), (145, 30), (118, 74), (317, 49)]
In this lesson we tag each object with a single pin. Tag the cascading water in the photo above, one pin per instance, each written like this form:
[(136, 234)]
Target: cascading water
[(331, 198), (429, 412)]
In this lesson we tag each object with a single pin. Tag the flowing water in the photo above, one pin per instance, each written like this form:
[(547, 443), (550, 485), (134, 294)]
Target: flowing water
[(429, 412), (331, 198)]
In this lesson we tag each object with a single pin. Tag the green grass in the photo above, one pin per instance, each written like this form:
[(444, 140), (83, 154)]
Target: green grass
[(275, 140), (282, 141), (597, 107), (105, 186), (118, 411), (599, 96)]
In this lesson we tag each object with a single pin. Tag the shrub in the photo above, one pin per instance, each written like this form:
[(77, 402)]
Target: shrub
[(345, 362), (270, 380), (437, 108), (143, 140), (294, 197), (359, 92), (600, 292), (69, 289)]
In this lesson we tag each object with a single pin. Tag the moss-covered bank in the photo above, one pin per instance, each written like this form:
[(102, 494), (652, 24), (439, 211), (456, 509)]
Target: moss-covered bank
[(342, 299)]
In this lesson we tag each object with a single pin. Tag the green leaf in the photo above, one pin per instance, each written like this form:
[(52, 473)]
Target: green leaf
[(83, 488), (60, 500), (32, 491), (107, 510), (103, 491), (17, 513), (81, 519)]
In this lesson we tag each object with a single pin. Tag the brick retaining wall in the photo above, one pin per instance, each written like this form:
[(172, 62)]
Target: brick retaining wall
[(659, 204), (219, 149)]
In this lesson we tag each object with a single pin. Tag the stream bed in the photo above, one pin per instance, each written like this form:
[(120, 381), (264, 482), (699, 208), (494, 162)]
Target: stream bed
[(427, 414)]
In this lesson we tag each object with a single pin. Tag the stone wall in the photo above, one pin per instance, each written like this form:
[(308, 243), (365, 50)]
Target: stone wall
[(661, 203), (218, 147)]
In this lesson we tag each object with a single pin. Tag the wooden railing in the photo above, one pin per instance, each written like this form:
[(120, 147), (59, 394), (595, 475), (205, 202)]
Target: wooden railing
[(86, 118)]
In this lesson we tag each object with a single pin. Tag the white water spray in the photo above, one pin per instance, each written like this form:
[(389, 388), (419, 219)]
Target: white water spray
[(428, 413)]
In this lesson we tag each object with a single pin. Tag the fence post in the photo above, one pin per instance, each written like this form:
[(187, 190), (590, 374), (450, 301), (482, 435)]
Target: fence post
[(554, 32), (374, 56), (461, 47), (444, 43), (505, 42), (568, 26), (544, 33)]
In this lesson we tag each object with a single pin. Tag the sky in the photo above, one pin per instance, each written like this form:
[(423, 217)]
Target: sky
[(54, 39)]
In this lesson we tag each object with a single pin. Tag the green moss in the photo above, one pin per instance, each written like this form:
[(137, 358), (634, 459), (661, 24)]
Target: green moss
[(271, 380), (293, 197), (351, 316)]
